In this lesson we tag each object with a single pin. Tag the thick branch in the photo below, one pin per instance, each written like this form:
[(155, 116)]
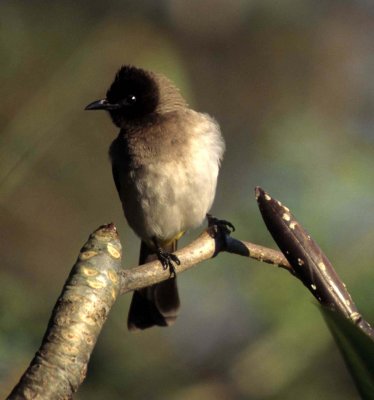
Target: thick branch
[(60, 365)]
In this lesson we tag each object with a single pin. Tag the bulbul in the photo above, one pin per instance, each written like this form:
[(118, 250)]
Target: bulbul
[(165, 164)]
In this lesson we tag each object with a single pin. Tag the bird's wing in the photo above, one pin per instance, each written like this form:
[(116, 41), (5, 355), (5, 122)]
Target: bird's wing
[(115, 172)]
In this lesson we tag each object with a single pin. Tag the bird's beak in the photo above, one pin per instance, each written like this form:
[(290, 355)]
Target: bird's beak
[(102, 105)]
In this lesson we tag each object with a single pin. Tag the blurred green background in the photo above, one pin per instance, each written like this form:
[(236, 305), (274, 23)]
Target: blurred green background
[(291, 84)]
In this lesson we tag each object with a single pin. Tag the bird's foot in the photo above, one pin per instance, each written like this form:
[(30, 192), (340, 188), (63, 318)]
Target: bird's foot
[(220, 225), (168, 260)]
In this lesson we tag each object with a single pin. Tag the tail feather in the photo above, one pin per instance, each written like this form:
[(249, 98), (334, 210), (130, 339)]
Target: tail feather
[(157, 304)]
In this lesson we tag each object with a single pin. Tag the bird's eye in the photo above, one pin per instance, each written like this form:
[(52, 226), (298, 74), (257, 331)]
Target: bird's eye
[(131, 99)]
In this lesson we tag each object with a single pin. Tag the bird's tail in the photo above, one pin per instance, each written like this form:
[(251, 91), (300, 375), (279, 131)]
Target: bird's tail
[(157, 304)]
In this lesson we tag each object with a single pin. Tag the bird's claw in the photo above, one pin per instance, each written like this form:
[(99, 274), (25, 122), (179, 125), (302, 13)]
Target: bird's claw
[(222, 225), (168, 260)]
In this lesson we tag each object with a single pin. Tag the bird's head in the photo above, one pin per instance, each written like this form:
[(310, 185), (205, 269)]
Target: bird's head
[(136, 94)]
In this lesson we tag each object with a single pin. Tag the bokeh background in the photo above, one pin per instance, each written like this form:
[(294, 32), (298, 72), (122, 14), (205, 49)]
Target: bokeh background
[(291, 84)]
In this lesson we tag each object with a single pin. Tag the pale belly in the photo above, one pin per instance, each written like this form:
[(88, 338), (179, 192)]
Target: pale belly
[(161, 200)]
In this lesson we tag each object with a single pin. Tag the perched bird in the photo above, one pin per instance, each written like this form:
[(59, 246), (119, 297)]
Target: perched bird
[(165, 164)]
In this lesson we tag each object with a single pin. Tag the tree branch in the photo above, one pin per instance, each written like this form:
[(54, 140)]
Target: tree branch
[(206, 246), (96, 279), (60, 365)]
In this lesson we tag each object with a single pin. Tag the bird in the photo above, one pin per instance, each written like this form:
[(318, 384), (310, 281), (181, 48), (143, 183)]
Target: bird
[(165, 164)]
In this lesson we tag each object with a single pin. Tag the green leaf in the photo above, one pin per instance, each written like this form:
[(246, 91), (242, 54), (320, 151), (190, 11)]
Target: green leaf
[(357, 349)]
